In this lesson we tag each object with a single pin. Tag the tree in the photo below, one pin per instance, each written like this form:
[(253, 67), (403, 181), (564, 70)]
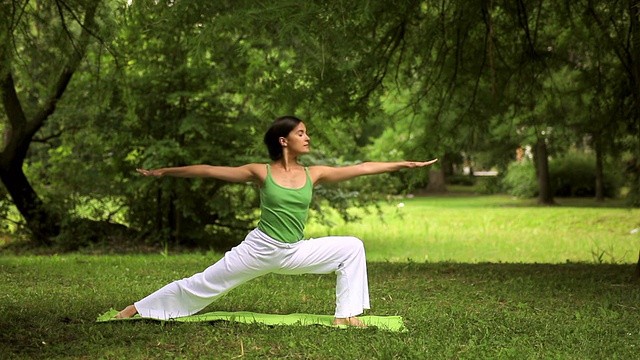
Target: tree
[(526, 63), (201, 109), (51, 38), (176, 82)]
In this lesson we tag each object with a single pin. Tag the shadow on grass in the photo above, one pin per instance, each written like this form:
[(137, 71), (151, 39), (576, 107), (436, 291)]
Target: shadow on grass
[(452, 310)]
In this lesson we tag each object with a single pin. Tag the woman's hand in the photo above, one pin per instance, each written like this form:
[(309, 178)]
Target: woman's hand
[(414, 164), (148, 172)]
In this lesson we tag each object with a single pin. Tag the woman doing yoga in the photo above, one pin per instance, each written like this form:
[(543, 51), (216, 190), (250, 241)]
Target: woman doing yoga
[(277, 244)]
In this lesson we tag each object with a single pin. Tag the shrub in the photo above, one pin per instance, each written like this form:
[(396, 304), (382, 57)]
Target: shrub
[(572, 174), (466, 180), (488, 185), (520, 179)]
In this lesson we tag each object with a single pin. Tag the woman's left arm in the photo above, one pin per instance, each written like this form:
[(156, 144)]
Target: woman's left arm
[(328, 174)]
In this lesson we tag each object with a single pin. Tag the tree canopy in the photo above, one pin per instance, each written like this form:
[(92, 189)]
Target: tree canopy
[(93, 89)]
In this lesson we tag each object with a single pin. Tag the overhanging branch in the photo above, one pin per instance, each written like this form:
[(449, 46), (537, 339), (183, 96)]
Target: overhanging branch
[(67, 72)]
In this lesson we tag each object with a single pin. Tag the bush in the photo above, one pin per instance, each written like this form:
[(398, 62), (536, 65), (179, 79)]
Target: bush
[(488, 185), (466, 180), (520, 179), (572, 174)]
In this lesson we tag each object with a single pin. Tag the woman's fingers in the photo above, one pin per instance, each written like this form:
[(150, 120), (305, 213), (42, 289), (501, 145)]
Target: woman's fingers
[(144, 172), (425, 163)]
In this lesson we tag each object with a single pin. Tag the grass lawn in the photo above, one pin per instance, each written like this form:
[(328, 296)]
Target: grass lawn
[(497, 228), (567, 311), (528, 303)]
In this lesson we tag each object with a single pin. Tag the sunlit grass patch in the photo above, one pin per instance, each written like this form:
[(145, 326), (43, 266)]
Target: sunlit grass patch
[(495, 229)]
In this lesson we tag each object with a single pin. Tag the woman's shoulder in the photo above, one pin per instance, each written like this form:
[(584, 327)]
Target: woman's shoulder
[(258, 171), (316, 169), (317, 172)]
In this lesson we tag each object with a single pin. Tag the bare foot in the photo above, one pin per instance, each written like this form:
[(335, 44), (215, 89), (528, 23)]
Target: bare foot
[(350, 321), (128, 312)]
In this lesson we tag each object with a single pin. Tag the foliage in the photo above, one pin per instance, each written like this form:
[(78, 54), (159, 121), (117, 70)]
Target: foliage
[(400, 140), (520, 179), (164, 83), (572, 174), (42, 45), (168, 93), (217, 119), (522, 73), (461, 179), (488, 185)]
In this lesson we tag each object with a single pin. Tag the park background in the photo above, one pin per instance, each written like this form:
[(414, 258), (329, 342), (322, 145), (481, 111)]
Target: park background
[(521, 242)]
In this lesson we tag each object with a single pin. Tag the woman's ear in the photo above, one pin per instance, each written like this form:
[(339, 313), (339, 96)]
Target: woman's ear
[(283, 141)]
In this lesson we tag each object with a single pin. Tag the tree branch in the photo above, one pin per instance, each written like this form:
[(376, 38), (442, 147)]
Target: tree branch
[(624, 60), (63, 22), (67, 73), (54, 135), (395, 37)]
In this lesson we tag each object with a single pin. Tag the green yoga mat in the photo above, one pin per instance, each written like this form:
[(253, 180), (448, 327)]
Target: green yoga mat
[(391, 323)]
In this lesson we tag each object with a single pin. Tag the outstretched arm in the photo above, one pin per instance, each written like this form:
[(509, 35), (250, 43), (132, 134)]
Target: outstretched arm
[(244, 173), (328, 174)]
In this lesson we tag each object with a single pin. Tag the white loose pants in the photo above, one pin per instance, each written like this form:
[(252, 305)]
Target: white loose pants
[(258, 255)]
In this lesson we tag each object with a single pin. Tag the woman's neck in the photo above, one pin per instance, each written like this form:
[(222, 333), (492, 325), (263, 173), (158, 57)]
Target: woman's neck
[(288, 163)]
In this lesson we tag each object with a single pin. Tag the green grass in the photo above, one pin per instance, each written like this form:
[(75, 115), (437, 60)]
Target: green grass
[(496, 229), (569, 311), (528, 303)]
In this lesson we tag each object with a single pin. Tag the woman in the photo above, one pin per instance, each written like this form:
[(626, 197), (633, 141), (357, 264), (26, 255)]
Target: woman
[(276, 245)]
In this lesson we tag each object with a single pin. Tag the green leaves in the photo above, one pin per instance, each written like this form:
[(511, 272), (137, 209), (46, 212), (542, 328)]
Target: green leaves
[(168, 83)]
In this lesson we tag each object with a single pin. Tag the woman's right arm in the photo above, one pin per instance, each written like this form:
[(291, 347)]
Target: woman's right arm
[(244, 173)]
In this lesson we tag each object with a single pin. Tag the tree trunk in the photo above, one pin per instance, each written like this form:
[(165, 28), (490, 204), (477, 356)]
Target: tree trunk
[(469, 162), (446, 165), (437, 182), (634, 56), (43, 224), (634, 65), (545, 196), (634, 10), (599, 171)]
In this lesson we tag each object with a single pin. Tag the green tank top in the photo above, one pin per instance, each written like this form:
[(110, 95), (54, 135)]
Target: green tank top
[(283, 211)]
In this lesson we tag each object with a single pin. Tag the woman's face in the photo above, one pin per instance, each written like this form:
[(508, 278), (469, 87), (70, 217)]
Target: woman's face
[(298, 140)]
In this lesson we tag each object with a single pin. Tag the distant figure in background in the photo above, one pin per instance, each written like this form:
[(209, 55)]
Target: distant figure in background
[(277, 244)]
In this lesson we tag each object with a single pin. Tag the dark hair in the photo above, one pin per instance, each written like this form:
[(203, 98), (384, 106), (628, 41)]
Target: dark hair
[(281, 127)]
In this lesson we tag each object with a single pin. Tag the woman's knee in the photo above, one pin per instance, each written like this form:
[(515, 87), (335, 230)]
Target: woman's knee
[(354, 243)]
